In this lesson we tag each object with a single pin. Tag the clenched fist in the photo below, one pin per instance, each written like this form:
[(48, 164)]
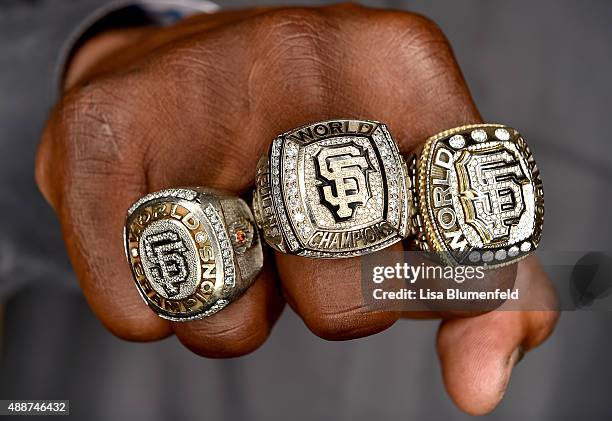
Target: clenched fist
[(197, 104)]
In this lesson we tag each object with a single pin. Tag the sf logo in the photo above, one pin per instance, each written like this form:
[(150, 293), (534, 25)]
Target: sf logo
[(166, 252), (493, 195), (344, 172)]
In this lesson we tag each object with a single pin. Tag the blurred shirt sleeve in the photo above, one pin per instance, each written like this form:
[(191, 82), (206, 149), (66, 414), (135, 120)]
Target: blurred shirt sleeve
[(125, 14)]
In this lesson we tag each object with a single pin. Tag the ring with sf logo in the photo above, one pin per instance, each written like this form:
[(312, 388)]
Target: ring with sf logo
[(192, 251), (477, 196), (332, 189)]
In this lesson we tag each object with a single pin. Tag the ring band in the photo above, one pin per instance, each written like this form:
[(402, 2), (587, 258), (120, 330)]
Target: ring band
[(332, 189), (192, 251), (476, 196)]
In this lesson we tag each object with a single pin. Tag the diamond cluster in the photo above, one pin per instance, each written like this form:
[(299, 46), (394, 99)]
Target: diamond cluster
[(218, 305), (395, 175), (502, 254), (178, 193), (229, 276), (275, 158), (297, 213)]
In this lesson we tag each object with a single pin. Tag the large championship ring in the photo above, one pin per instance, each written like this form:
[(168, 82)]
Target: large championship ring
[(192, 251), (476, 196), (332, 189)]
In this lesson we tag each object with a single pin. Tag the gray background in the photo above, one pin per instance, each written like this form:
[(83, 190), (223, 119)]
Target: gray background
[(543, 67)]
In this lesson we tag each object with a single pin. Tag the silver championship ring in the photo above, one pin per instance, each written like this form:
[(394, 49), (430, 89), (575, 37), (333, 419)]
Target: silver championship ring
[(192, 251), (332, 189), (476, 196)]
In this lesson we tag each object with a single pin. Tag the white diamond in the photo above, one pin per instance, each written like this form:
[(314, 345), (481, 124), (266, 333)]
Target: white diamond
[(487, 256), (200, 237), (474, 256), (513, 251), (134, 252), (457, 141), (502, 134), (500, 254), (299, 217), (479, 135), (526, 246)]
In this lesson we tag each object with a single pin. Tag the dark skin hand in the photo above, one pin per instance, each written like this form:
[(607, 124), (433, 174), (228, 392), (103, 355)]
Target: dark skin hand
[(198, 103)]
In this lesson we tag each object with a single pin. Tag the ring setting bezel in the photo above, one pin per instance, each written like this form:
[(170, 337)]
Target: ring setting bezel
[(459, 177), (299, 217)]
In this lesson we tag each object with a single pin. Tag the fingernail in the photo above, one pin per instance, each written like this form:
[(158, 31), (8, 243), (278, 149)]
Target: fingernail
[(516, 356), (513, 359)]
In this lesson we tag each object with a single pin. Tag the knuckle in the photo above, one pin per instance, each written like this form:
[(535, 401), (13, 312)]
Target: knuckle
[(415, 40), (408, 41), (91, 136), (348, 324), (295, 35), (411, 29), (351, 6), (295, 48), (93, 122), (77, 135), (223, 341), (136, 328), (419, 61), (291, 21)]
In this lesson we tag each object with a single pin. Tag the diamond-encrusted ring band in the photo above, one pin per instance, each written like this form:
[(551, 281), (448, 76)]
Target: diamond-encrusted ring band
[(332, 189), (476, 196), (192, 251)]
